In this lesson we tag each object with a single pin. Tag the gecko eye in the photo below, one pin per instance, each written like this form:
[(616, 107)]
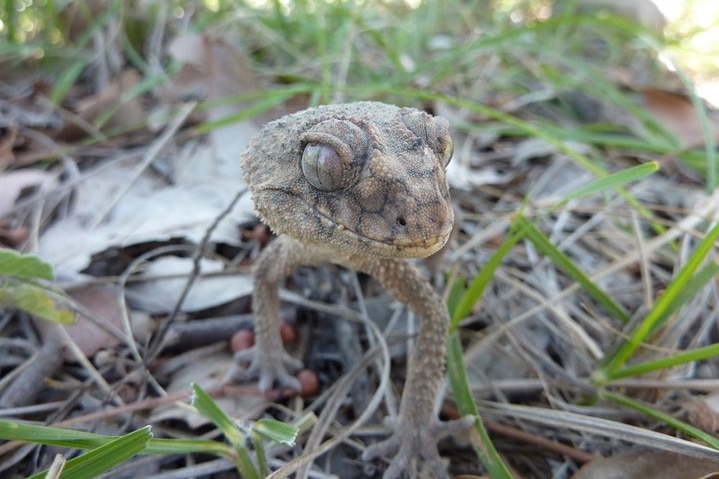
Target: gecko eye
[(333, 155), (322, 167)]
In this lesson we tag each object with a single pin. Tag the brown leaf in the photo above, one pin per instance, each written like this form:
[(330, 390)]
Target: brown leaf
[(127, 113), (12, 236), (677, 114), (102, 303), (26, 116), (703, 412), (217, 68), (215, 64), (650, 464), (8, 134)]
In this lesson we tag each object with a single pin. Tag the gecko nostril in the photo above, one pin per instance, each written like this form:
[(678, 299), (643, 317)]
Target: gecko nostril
[(401, 221)]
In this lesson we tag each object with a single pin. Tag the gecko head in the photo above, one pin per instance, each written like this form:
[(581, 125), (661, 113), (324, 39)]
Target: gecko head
[(360, 178)]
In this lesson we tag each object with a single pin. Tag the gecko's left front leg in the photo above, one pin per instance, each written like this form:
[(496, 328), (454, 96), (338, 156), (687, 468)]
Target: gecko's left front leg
[(417, 429)]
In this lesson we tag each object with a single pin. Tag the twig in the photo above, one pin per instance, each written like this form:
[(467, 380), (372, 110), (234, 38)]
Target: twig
[(156, 343)]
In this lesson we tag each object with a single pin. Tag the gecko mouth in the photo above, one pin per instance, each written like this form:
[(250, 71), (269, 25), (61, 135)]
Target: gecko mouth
[(403, 247)]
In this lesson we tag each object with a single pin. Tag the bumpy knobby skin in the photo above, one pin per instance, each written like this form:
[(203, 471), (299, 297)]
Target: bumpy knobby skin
[(361, 185)]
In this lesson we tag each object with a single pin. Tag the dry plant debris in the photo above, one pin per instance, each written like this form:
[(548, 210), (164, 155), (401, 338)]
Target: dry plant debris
[(126, 178)]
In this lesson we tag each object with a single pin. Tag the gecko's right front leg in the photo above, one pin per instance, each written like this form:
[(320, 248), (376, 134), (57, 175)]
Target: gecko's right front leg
[(267, 359)]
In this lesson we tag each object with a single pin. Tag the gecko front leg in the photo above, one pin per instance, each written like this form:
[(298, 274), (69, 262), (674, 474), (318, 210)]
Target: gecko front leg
[(417, 430), (267, 359)]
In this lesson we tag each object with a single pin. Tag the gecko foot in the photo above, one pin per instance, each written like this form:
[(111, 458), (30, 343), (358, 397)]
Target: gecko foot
[(272, 370), (412, 441)]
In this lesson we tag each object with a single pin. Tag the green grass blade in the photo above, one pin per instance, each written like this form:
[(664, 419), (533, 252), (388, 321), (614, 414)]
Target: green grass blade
[(693, 286), (465, 403), (259, 446), (544, 246), (663, 417), (209, 408), (54, 436), (10, 21), (484, 277), (50, 436), (708, 131), (668, 362), (615, 180), (68, 78), (666, 302), (70, 75), (277, 431), (187, 446), (105, 457), (204, 403), (262, 105)]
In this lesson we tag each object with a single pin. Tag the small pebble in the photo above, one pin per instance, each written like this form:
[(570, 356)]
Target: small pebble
[(241, 340), (287, 331), (309, 383)]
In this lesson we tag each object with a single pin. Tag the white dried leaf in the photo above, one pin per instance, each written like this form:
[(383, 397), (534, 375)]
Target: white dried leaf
[(162, 294)]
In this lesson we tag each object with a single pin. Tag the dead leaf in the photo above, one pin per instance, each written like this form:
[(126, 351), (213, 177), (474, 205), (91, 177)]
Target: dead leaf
[(465, 173), (653, 464), (161, 295), (178, 211), (463, 177), (215, 59), (8, 134), (12, 236), (205, 179), (218, 69), (19, 184), (126, 109), (703, 412), (676, 113), (25, 118), (102, 302)]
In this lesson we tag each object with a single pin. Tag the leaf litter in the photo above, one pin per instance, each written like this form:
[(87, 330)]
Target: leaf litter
[(143, 200)]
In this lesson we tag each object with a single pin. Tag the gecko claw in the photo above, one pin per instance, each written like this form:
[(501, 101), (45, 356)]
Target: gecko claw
[(275, 371), (411, 442)]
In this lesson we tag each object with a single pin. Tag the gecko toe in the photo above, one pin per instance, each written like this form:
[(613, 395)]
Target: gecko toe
[(276, 371), (409, 444), (280, 379)]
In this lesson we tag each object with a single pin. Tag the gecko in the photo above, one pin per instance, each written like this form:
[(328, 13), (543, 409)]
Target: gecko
[(362, 185)]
